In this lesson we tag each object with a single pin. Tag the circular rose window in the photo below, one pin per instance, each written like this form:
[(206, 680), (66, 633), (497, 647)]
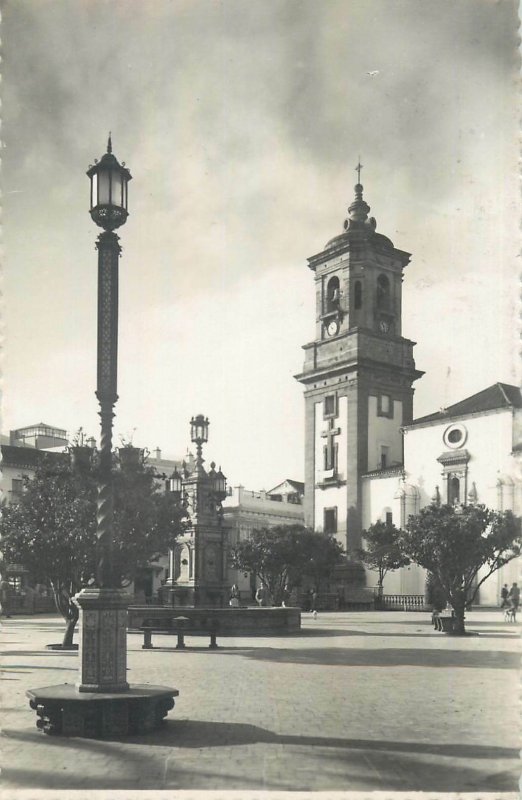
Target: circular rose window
[(455, 436)]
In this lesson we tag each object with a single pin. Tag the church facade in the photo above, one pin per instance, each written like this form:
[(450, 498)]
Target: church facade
[(366, 458)]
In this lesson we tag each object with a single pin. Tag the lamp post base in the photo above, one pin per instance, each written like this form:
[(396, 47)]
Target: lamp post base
[(63, 710)]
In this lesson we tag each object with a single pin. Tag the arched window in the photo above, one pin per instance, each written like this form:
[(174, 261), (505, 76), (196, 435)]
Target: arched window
[(383, 292), (332, 294), (453, 491), (357, 295)]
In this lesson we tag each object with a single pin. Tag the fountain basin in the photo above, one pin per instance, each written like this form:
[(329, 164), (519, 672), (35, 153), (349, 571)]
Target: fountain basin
[(248, 621)]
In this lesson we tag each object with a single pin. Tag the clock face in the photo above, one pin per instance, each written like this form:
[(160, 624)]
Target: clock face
[(332, 328), (384, 326)]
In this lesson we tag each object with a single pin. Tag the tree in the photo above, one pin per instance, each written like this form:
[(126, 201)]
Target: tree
[(284, 554), (455, 543), (52, 528), (382, 551)]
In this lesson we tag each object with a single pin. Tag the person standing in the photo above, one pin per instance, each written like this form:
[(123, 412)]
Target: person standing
[(261, 596), (234, 597), (514, 596), (504, 596), (4, 598)]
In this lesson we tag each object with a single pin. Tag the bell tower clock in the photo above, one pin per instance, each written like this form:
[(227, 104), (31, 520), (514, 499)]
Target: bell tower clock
[(358, 372)]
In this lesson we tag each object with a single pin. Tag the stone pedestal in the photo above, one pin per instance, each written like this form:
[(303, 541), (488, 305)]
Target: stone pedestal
[(103, 640), (101, 704), (63, 710)]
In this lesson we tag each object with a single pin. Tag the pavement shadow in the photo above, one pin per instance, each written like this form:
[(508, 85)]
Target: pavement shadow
[(30, 667), (388, 657), (51, 653), (186, 733), (392, 765), (204, 733)]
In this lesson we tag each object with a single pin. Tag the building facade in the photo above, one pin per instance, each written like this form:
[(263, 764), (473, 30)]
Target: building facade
[(245, 510), (470, 452), (358, 373), (366, 458)]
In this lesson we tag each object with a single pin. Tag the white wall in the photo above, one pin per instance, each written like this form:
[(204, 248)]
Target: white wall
[(489, 443), (382, 495), (333, 495), (490, 439), (384, 431)]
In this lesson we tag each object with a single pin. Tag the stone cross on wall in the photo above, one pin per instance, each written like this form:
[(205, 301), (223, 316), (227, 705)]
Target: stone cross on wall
[(331, 446)]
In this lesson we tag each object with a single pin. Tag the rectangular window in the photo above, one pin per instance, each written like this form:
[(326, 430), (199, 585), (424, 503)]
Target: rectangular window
[(330, 406), (17, 486), (385, 456), (389, 518), (385, 406), (330, 456), (330, 520)]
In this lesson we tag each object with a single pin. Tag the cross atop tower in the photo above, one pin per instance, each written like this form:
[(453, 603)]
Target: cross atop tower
[(358, 169)]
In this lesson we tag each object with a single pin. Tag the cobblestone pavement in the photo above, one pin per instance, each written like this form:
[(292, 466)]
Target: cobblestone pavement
[(357, 701)]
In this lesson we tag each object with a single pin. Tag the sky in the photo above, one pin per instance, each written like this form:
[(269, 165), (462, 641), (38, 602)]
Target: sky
[(242, 122)]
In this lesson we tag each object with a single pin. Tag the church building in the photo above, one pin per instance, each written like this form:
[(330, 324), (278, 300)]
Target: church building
[(366, 457)]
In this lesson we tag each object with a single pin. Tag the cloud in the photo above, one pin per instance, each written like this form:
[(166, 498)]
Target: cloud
[(241, 123)]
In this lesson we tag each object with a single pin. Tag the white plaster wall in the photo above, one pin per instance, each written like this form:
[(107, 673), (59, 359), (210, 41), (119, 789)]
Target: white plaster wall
[(333, 495), (384, 431), (378, 498), (489, 443), (490, 439), (381, 495)]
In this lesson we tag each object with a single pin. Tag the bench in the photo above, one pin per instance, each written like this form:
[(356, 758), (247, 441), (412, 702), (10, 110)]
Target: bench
[(179, 626), (443, 623)]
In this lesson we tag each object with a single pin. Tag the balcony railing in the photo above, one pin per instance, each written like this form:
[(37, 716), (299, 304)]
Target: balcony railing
[(400, 602)]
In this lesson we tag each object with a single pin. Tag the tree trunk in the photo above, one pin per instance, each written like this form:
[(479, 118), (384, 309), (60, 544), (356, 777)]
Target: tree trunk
[(69, 612), (459, 609), (69, 631)]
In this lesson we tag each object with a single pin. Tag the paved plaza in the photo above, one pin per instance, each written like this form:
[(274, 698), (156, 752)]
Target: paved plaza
[(355, 702)]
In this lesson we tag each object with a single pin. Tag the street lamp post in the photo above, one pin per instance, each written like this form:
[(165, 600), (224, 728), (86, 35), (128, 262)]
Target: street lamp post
[(102, 703), (203, 543)]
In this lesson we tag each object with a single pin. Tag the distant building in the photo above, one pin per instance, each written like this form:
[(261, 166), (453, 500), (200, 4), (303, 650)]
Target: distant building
[(22, 451), (245, 510)]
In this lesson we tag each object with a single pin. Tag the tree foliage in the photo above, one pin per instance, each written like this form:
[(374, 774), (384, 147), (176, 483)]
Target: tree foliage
[(51, 529), (455, 543), (285, 554), (382, 551)]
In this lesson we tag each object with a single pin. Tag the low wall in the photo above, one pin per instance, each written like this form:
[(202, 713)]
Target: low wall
[(231, 621)]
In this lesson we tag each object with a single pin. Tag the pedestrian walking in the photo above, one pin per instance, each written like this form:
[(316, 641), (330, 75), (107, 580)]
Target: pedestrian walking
[(314, 601), (504, 596)]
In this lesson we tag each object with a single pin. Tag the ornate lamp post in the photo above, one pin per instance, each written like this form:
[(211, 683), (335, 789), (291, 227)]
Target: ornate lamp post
[(201, 549), (199, 437), (109, 180), (102, 703)]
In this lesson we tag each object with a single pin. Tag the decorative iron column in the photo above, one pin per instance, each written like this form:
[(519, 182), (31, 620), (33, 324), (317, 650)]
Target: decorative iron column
[(106, 392), (102, 703)]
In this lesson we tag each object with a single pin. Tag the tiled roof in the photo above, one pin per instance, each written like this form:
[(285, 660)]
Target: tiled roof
[(499, 395), (385, 472), (297, 485)]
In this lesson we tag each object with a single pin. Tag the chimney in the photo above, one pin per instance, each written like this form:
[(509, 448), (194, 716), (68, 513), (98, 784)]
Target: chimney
[(157, 454)]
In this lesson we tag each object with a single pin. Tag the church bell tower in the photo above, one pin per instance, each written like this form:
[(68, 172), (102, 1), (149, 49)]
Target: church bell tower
[(357, 375)]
